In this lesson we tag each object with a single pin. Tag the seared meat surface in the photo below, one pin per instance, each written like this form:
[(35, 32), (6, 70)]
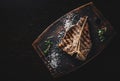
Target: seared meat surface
[(76, 40)]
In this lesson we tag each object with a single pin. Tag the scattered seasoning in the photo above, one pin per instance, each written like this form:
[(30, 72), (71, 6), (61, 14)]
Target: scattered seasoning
[(54, 57), (54, 62)]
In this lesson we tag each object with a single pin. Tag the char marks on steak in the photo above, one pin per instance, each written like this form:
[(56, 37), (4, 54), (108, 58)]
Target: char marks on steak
[(76, 40)]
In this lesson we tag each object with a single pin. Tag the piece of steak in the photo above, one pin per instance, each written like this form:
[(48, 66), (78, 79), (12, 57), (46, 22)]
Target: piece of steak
[(76, 41)]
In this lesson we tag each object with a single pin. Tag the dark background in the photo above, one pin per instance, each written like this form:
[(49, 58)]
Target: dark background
[(23, 20)]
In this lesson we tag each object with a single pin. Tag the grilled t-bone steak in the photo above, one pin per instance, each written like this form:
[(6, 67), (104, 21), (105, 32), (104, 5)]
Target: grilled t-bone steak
[(76, 41)]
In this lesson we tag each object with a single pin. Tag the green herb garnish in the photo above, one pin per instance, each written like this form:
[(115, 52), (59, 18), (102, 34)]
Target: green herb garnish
[(48, 43), (101, 34)]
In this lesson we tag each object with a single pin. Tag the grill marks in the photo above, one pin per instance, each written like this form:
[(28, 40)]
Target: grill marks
[(73, 42)]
